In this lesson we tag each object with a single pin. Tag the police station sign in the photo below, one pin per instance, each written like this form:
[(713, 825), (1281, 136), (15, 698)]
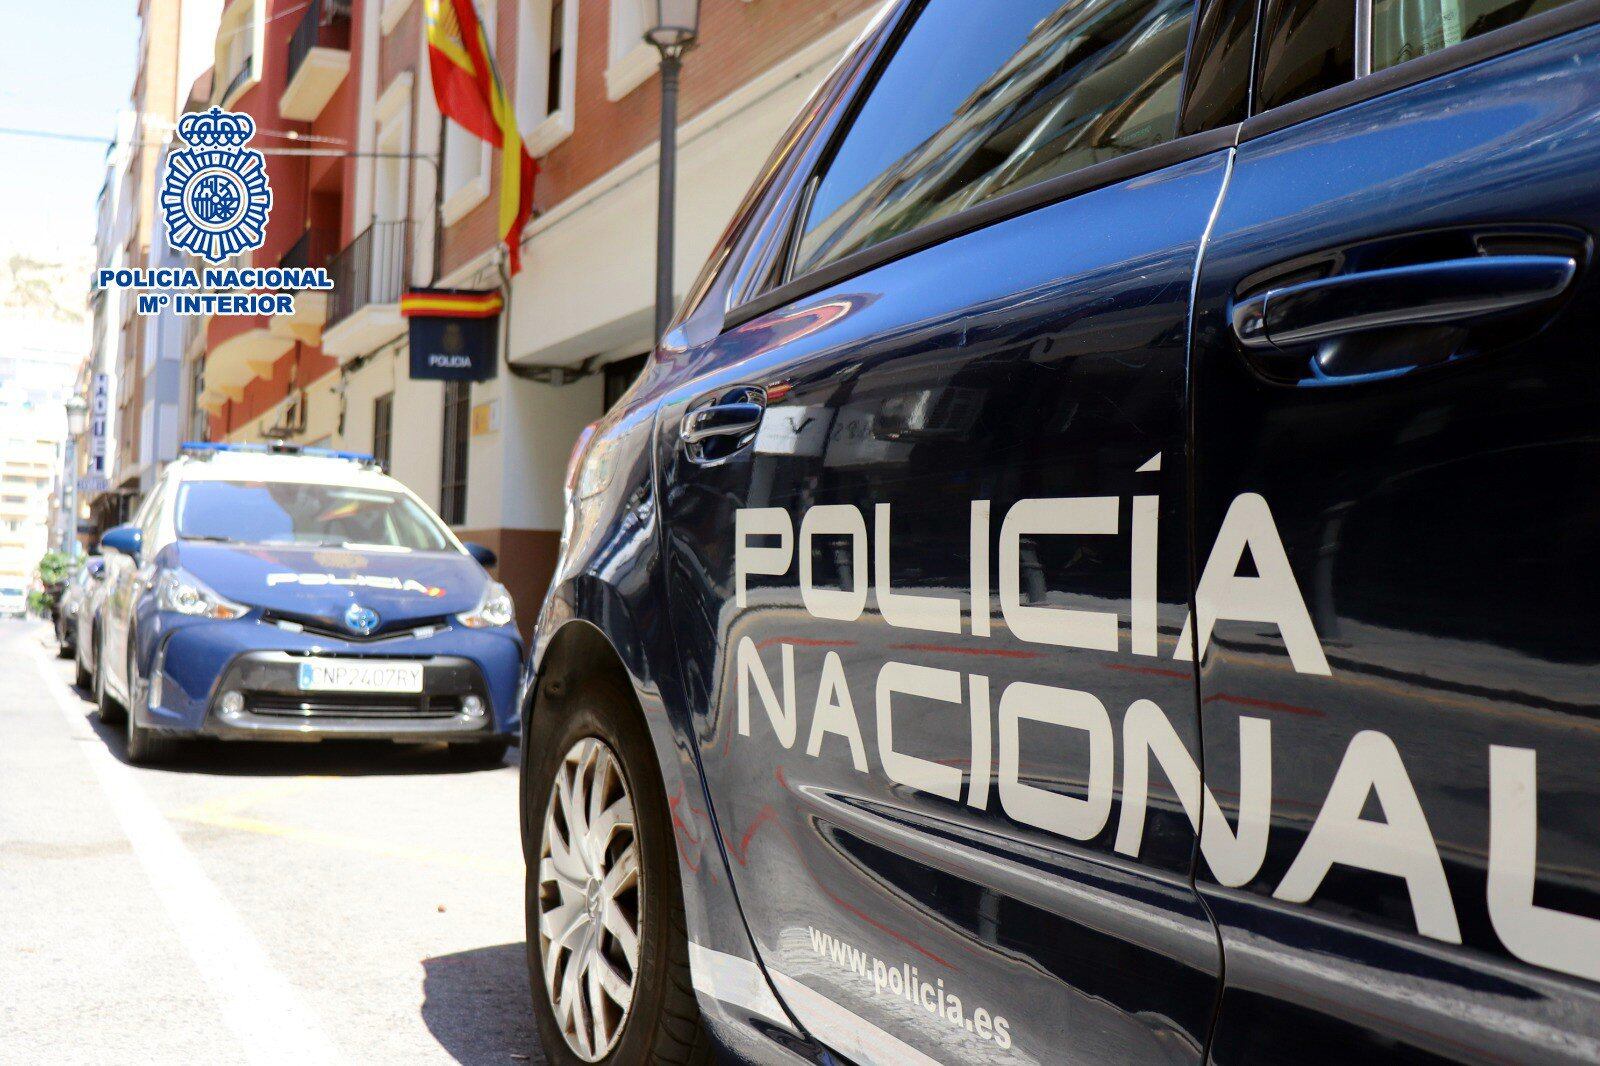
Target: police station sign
[(452, 333)]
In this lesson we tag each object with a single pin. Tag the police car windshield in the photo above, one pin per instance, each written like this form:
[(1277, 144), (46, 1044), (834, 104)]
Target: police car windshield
[(293, 512)]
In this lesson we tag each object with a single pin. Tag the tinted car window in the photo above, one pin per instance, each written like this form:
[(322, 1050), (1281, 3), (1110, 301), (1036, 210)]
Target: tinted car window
[(1306, 46), (1218, 89), (984, 98), (1408, 29), (288, 512)]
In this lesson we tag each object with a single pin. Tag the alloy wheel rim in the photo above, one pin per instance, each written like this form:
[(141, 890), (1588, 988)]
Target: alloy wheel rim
[(589, 896)]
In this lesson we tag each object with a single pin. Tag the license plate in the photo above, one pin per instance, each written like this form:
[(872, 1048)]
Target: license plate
[(357, 675)]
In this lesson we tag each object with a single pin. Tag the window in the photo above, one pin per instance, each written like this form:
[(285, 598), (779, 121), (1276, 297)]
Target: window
[(199, 421), (235, 53), (632, 60), (1306, 46), (1409, 29), (546, 38), (552, 74), (457, 438), (391, 180), (466, 181), (1311, 45), (980, 100), (465, 168), (382, 426), (292, 512)]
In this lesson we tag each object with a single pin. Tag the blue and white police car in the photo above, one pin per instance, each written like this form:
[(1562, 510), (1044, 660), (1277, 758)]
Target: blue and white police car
[(1103, 567), (264, 592)]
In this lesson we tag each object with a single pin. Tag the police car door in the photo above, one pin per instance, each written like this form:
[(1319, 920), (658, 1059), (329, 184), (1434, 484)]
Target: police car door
[(924, 601), (1397, 400)]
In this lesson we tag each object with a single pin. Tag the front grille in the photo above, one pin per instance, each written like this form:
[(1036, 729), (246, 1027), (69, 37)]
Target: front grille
[(352, 705), (388, 631)]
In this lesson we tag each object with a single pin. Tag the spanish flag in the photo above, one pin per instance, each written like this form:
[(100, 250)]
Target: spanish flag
[(468, 90)]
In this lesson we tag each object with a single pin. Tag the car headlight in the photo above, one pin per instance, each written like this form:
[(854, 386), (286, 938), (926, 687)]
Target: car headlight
[(495, 610), (184, 594)]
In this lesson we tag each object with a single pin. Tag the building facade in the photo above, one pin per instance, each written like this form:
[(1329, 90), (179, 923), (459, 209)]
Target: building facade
[(135, 353), (370, 182)]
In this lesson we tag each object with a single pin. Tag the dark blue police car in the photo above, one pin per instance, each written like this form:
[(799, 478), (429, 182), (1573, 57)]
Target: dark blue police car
[(1104, 565), (286, 594)]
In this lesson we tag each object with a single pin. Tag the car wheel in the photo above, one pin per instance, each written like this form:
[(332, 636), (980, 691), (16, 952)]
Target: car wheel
[(480, 752), (145, 746), (80, 676), (111, 712), (608, 958)]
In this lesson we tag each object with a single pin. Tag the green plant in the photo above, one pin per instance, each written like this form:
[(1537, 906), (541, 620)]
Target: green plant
[(54, 567)]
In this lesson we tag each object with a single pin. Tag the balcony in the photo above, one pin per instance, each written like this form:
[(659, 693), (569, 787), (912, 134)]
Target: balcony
[(242, 77), (239, 349), (313, 249), (319, 59), (369, 274)]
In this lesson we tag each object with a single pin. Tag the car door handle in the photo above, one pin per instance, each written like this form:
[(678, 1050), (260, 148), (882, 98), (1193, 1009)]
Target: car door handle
[(1449, 291), (722, 420)]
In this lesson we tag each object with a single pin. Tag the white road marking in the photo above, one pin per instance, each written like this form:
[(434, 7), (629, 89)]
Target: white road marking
[(258, 1004)]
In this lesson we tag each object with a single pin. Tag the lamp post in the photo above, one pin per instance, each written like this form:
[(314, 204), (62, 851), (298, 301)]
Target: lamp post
[(671, 26), (77, 417)]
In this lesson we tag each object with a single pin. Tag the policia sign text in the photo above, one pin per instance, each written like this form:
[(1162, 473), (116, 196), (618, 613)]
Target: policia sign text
[(453, 333), (1139, 740)]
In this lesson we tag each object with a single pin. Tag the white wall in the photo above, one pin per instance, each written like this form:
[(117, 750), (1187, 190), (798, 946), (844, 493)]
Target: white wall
[(515, 475)]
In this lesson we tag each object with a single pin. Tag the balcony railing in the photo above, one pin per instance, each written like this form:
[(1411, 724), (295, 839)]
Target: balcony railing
[(326, 24), (313, 249), (371, 269), (240, 76)]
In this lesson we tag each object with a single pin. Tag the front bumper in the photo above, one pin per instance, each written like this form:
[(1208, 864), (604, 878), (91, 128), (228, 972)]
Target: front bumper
[(275, 707), (199, 660)]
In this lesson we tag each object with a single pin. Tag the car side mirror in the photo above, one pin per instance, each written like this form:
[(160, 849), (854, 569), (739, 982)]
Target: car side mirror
[(124, 540), (485, 555)]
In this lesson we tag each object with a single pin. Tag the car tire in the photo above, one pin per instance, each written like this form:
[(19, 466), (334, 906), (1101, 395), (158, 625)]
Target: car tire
[(482, 753), (111, 712), (599, 732), (80, 675), (146, 747)]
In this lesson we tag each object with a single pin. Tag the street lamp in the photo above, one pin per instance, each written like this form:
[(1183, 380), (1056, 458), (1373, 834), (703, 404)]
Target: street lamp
[(77, 415), (77, 418), (671, 26)]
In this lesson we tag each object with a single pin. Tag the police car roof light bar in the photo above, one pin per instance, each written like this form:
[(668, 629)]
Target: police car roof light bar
[(204, 449)]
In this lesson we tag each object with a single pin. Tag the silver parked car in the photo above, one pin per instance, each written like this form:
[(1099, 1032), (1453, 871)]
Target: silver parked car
[(83, 625), (84, 580)]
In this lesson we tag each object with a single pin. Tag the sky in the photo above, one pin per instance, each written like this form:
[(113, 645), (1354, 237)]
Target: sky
[(66, 66)]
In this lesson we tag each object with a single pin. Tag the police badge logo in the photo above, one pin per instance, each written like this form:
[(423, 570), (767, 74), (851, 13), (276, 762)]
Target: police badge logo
[(215, 195)]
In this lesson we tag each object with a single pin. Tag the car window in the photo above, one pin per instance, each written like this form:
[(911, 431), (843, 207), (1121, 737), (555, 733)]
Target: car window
[(149, 517), (1409, 29), (1306, 46), (983, 99), (292, 512), (1311, 45)]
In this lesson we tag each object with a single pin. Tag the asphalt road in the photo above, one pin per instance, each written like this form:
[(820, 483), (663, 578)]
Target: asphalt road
[(249, 902)]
